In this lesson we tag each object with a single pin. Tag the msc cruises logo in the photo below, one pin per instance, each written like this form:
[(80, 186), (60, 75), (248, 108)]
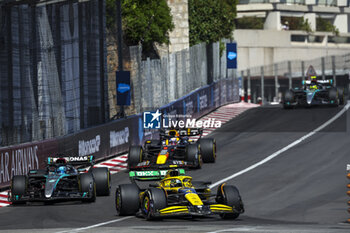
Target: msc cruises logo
[(151, 120)]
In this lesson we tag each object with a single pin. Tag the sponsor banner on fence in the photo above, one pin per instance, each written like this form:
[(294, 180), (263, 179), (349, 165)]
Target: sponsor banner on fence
[(102, 141), (18, 160)]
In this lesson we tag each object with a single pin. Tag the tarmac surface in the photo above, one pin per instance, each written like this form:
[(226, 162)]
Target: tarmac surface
[(301, 189)]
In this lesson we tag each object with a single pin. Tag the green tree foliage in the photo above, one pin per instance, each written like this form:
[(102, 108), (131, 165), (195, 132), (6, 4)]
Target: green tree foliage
[(144, 21), (324, 25), (306, 26), (211, 20), (250, 23)]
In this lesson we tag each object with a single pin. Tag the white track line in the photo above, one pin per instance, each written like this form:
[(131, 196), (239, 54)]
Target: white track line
[(96, 225), (324, 125)]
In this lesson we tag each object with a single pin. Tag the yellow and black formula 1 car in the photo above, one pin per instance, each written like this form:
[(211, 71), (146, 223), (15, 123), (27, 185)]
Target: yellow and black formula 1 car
[(176, 195)]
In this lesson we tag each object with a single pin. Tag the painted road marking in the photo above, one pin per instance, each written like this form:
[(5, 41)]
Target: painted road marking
[(277, 153), (96, 225)]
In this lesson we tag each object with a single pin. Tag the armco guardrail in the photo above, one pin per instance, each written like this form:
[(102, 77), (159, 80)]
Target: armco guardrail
[(114, 137)]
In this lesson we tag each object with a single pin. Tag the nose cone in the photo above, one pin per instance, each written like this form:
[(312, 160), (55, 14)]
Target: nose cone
[(161, 159), (50, 186), (194, 199), (309, 97)]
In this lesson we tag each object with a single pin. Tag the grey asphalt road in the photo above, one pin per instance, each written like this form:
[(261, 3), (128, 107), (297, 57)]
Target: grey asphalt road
[(301, 190)]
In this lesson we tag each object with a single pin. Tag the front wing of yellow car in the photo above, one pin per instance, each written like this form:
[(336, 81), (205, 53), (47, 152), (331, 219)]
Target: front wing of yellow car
[(203, 210)]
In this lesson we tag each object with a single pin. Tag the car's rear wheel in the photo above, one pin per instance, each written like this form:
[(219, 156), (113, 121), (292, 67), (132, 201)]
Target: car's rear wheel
[(102, 179), (192, 155), (127, 199), (229, 195), (208, 150), (88, 186), (18, 188), (154, 200), (135, 155)]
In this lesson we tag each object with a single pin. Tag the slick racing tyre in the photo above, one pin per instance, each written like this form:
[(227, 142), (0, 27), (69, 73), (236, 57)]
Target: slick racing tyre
[(333, 96), (153, 201), (102, 179), (288, 99), (192, 155), (135, 155), (208, 150), (127, 199), (88, 185), (341, 98), (229, 195), (18, 188)]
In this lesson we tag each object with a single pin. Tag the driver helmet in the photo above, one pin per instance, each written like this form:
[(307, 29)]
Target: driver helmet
[(313, 87), (61, 170), (176, 183)]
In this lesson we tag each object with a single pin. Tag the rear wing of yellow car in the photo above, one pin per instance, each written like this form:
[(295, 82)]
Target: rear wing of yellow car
[(151, 175)]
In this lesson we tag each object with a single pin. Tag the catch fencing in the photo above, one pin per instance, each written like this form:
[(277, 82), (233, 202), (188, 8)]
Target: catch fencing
[(52, 68), (268, 83), (171, 77)]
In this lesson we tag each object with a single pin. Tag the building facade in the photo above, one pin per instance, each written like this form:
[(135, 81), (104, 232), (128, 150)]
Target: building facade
[(279, 41)]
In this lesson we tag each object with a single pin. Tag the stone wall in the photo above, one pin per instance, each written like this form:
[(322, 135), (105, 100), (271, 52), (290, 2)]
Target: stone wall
[(179, 37)]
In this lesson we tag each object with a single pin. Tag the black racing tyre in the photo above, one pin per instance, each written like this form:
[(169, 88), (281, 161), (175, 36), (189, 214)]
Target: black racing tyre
[(135, 155), (18, 188), (332, 94), (127, 200), (88, 185), (154, 200), (288, 99), (341, 98), (102, 179), (208, 150), (229, 195), (192, 155)]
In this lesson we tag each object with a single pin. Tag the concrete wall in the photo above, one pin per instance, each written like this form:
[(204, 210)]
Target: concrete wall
[(266, 47), (179, 37)]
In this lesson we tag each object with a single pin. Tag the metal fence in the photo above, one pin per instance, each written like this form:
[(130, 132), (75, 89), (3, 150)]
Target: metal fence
[(52, 68), (268, 83), (160, 81)]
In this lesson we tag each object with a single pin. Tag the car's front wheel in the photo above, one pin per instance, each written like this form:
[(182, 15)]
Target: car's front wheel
[(154, 200), (88, 186), (229, 195), (18, 189), (127, 199)]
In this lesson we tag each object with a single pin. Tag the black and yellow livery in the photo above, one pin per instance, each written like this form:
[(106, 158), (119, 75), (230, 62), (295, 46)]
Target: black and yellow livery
[(176, 195)]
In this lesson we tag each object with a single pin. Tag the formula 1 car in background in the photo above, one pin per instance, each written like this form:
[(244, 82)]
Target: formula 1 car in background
[(314, 92), (61, 181), (173, 149), (176, 195)]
